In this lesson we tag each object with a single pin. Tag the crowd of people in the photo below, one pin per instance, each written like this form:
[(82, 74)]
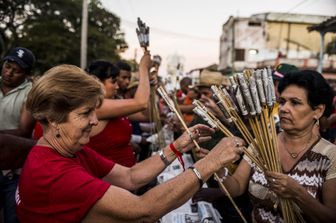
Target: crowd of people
[(75, 145)]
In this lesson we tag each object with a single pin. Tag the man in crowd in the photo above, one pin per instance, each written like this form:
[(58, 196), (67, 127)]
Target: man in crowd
[(213, 193), (124, 77), (15, 120)]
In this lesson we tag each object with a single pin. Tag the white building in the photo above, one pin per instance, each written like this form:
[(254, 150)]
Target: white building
[(269, 39)]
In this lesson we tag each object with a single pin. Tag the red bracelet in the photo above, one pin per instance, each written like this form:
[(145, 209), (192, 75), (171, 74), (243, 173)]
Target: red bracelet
[(178, 154)]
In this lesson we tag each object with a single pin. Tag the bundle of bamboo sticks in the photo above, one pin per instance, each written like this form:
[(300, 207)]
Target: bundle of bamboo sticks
[(154, 114), (173, 107), (251, 98)]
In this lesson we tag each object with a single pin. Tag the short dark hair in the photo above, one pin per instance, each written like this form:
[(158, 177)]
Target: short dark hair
[(318, 90), (186, 81), (103, 69), (123, 66)]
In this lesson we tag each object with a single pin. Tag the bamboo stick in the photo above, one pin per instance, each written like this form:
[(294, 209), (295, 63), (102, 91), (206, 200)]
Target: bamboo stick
[(230, 197), (171, 105)]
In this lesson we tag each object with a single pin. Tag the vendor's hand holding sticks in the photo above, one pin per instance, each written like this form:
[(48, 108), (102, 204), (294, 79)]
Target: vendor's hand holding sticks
[(253, 92), (172, 107), (143, 34)]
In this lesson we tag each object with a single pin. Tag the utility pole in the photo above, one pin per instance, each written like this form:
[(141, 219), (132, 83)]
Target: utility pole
[(233, 53), (83, 52), (320, 65)]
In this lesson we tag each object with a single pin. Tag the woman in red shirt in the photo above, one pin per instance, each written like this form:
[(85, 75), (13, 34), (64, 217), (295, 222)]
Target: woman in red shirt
[(111, 137)]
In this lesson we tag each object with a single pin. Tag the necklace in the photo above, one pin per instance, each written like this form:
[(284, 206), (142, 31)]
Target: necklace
[(295, 155)]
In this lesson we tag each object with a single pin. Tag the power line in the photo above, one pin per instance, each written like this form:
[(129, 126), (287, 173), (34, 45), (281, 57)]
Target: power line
[(166, 32)]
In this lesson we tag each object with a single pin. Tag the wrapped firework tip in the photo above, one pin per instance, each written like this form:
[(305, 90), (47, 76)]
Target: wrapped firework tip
[(227, 95), (232, 80), (143, 34), (260, 87), (267, 89), (202, 112), (218, 97), (219, 103), (264, 78), (166, 98), (240, 101), (270, 81), (246, 93), (254, 93)]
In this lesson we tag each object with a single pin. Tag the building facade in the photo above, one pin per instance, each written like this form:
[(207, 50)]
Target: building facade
[(269, 39)]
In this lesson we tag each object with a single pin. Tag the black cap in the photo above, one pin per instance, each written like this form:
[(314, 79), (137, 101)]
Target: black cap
[(282, 69), (22, 56)]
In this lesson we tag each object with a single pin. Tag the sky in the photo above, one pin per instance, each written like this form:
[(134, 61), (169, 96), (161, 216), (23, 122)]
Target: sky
[(191, 29)]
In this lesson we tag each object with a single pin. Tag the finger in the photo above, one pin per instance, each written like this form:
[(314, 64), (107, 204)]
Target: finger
[(240, 150), (204, 129), (204, 139), (239, 141), (204, 151), (274, 175)]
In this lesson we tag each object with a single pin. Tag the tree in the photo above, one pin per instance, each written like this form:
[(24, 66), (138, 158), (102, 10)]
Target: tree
[(52, 29), (12, 16)]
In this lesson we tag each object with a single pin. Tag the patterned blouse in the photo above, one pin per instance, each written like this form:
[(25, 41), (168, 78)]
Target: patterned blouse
[(316, 166)]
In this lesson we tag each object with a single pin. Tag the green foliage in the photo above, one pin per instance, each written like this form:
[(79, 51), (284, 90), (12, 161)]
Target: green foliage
[(12, 16), (52, 30)]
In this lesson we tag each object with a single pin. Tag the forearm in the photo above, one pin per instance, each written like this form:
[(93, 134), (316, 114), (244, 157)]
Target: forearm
[(313, 209), (233, 186), (112, 108), (142, 116), (14, 151), (178, 190), (238, 182), (143, 91), (153, 166)]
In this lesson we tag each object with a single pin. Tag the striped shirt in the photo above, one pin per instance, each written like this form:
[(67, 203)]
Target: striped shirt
[(315, 167)]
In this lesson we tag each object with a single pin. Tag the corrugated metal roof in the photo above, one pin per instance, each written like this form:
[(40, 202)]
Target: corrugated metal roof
[(291, 17), (328, 25)]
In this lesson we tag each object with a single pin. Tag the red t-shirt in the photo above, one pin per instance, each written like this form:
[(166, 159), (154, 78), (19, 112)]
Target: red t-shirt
[(114, 142), (56, 189)]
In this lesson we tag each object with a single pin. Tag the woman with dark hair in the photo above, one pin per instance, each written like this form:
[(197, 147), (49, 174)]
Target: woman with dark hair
[(111, 137), (307, 160)]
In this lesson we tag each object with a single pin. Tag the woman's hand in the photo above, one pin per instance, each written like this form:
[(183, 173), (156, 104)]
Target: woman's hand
[(200, 133), (283, 185), (228, 150)]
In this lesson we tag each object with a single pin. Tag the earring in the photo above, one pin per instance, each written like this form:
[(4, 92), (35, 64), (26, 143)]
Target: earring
[(317, 122), (58, 135)]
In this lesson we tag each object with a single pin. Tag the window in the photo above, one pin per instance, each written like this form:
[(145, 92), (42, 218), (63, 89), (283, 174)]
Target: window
[(239, 54), (254, 23)]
